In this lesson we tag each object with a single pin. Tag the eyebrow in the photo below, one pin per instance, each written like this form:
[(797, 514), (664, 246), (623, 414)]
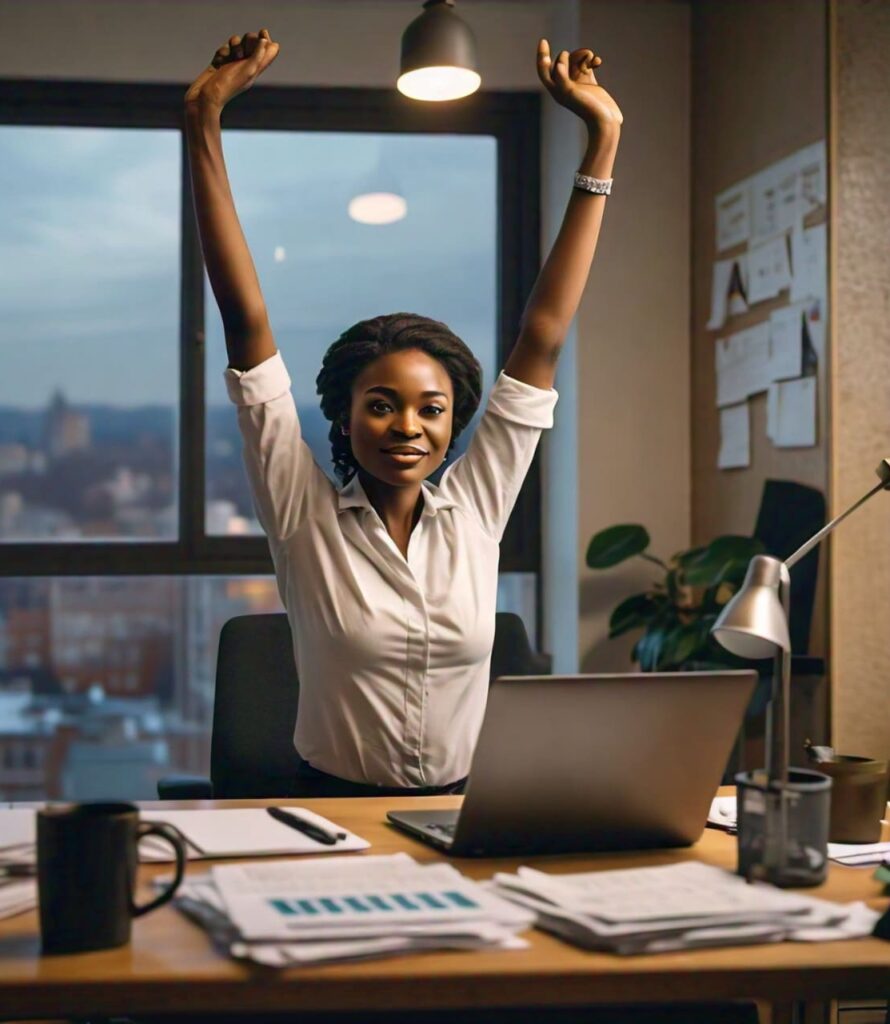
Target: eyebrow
[(394, 393)]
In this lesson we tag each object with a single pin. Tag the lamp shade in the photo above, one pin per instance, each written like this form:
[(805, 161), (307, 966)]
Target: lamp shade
[(753, 624), (438, 55)]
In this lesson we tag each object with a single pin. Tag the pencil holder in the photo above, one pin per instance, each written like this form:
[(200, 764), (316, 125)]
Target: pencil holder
[(783, 831)]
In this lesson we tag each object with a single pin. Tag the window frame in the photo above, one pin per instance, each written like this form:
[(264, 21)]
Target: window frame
[(513, 118)]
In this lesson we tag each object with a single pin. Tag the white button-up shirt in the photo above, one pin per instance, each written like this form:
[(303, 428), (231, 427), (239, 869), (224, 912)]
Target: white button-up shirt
[(392, 654)]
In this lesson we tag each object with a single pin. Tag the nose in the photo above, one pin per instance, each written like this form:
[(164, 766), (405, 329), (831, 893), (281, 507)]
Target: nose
[(405, 426)]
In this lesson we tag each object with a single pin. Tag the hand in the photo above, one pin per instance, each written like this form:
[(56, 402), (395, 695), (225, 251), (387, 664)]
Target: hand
[(571, 82), (236, 65)]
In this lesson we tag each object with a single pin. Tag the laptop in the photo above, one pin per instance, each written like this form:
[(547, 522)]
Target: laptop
[(592, 762)]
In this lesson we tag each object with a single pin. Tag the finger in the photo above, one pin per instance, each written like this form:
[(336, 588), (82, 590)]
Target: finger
[(249, 42), (561, 69), (221, 56), (544, 63), (235, 47)]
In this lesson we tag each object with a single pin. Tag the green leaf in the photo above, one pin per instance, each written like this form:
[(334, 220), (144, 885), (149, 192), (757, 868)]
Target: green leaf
[(723, 559), (633, 612), (615, 544), (681, 644)]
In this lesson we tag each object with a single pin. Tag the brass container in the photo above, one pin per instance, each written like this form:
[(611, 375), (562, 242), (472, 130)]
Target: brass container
[(858, 798)]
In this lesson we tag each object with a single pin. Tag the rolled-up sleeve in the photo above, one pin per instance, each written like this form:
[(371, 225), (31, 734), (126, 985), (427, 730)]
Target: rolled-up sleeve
[(487, 478), (283, 475)]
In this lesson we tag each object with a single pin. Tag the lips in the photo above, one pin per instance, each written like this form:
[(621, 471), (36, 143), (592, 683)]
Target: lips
[(404, 449)]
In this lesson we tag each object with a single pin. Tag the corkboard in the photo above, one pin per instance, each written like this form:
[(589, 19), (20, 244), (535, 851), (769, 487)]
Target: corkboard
[(759, 94)]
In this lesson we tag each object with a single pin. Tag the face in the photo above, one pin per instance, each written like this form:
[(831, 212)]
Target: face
[(401, 417)]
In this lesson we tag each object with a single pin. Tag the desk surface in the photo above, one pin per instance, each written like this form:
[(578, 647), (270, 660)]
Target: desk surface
[(171, 965)]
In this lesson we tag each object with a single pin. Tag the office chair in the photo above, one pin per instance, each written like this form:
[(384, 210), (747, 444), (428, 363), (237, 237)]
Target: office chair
[(255, 706)]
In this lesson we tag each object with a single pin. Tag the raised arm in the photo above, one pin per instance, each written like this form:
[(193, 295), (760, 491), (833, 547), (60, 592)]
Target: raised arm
[(557, 291), (234, 68)]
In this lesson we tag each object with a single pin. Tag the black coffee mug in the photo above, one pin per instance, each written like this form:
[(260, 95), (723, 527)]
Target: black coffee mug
[(87, 859)]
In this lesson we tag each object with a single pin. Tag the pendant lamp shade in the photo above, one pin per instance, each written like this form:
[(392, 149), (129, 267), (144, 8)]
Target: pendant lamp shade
[(438, 55)]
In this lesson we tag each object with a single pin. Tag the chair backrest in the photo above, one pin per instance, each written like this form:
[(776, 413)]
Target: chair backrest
[(254, 709), (790, 513), (257, 691)]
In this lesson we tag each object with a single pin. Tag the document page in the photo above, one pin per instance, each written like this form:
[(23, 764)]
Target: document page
[(358, 896)]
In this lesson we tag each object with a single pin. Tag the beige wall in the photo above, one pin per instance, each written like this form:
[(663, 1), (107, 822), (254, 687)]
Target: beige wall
[(631, 376), (860, 554), (633, 325), (759, 94)]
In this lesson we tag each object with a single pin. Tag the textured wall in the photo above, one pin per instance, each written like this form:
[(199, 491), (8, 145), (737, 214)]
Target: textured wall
[(861, 373)]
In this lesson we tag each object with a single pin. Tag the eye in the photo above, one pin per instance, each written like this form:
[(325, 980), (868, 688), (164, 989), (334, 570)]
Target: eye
[(437, 409), (380, 406)]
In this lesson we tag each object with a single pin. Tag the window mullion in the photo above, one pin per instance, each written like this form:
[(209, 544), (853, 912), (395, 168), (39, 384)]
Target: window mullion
[(192, 429)]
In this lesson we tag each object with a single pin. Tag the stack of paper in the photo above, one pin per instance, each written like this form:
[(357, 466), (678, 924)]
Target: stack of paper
[(318, 910), (17, 893), (863, 855), (678, 906)]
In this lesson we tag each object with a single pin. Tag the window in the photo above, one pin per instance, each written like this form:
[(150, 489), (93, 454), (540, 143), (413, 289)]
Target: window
[(126, 532)]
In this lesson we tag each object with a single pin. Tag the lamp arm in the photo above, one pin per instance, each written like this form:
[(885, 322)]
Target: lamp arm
[(817, 537)]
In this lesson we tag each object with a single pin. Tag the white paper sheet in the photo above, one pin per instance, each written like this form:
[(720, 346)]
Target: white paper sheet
[(355, 897), (795, 418), (809, 260), (721, 274), (775, 205), (769, 271), (735, 437), (786, 328), (742, 364), (811, 166), (732, 216), (726, 299), (787, 190), (244, 832)]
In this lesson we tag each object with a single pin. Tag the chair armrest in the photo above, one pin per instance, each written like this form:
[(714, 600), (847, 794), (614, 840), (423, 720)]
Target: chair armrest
[(185, 787)]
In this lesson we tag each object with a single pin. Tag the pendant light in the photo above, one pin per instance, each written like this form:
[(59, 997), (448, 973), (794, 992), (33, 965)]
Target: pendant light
[(438, 55)]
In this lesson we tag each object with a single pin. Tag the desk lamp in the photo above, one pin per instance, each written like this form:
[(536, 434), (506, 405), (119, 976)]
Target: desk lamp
[(754, 624)]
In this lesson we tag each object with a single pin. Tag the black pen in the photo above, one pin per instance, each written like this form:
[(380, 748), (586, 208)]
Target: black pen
[(316, 832)]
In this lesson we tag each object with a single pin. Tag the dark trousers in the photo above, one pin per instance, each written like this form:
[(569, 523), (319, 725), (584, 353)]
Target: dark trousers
[(311, 782)]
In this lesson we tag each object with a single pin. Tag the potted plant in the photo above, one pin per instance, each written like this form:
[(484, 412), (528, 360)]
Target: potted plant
[(677, 611)]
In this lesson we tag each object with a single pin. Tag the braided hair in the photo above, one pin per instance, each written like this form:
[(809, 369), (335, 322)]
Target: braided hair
[(366, 341)]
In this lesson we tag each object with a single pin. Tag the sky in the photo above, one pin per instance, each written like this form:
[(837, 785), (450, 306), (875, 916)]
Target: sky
[(90, 251)]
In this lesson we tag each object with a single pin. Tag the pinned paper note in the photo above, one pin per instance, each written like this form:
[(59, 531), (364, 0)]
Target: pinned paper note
[(728, 290), (735, 437), (811, 166), (794, 414), (732, 218), (769, 271), (809, 259), (742, 364), (786, 330), (774, 200)]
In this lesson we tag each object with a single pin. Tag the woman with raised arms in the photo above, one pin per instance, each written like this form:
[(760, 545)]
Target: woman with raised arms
[(389, 582)]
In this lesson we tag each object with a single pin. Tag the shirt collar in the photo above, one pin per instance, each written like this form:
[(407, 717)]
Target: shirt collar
[(353, 496)]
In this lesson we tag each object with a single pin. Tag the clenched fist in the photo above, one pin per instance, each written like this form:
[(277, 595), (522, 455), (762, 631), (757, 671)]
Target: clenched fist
[(235, 66)]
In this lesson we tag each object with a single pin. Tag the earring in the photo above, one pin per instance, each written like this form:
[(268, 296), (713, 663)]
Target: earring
[(344, 430)]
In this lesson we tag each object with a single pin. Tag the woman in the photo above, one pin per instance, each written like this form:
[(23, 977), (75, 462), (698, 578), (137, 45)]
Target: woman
[(389, 582)]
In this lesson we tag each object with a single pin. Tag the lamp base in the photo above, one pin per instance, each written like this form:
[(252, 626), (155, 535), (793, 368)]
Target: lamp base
[(783, 829)]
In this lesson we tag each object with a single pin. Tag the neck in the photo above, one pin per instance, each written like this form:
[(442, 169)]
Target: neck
[(398, 507)]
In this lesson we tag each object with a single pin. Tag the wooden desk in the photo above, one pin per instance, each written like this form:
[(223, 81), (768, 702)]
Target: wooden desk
[(171, 966)]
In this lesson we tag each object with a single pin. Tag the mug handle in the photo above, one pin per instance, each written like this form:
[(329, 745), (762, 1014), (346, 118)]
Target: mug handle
[(175, 839)]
